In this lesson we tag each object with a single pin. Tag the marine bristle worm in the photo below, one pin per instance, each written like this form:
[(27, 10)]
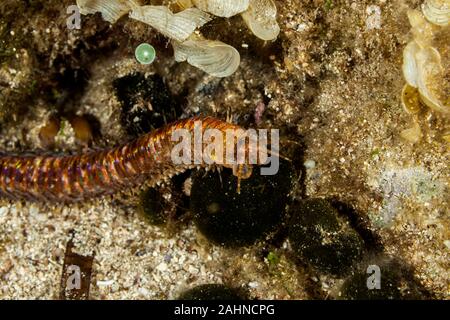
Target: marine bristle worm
[(71, 178)]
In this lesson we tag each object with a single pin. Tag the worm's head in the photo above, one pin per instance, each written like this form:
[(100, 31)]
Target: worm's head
[(245, 158), (240, 160)]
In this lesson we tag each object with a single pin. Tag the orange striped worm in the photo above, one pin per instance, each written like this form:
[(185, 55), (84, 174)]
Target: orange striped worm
[(71, 178)]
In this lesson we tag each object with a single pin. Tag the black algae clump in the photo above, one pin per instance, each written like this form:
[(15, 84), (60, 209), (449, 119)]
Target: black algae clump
[(231, 219), (323, 239), (212, 292), (152, 206), (146, 103), (395, 282)]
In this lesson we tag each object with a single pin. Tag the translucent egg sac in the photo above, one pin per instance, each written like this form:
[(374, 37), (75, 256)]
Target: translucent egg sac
[(234, 219), (145, 53), (82, 129), (49, 131)]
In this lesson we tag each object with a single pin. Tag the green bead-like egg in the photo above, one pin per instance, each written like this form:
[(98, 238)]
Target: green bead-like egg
[(145, 53)]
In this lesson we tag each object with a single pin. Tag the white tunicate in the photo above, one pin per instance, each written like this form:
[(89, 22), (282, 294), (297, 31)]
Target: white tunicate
[(178, 26), (111, 10), (214, 57), (222, 8), (409, 63), (430, 79), (421, 29), (422, 63), (261, 18), (437, 11)]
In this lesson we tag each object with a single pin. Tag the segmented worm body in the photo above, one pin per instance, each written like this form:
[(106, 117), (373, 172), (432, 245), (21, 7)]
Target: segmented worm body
[(71, 178)]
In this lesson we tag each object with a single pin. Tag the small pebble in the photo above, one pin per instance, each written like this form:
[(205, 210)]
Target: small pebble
[(105, 283), (3, 211), (162, 267), (309, 164)]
